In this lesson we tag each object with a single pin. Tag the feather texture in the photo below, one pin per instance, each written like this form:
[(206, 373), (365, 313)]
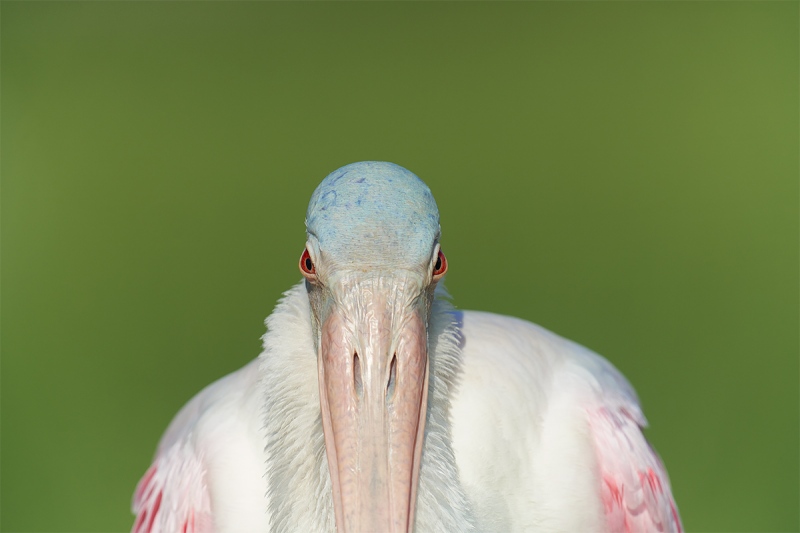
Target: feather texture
[(173, 495), (526, 431)]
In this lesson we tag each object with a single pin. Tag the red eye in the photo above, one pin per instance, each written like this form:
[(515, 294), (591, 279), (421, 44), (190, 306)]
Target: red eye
[(441, 265), (307, 265)]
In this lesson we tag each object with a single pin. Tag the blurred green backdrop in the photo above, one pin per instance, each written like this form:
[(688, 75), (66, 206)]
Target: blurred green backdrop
[(625, 174)]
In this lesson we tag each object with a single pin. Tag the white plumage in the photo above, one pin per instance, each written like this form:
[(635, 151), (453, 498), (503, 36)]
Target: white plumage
[(538, 425), (525, 431)]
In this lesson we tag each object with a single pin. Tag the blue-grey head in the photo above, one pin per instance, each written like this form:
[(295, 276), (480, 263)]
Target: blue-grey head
[(371, 263), (373, 214)]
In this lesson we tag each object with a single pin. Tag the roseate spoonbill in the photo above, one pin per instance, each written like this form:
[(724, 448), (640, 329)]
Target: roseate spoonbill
[(376, 407)]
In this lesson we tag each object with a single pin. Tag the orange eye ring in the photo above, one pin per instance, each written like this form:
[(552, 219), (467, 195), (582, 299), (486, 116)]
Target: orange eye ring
[(307, 265), (441, 265)]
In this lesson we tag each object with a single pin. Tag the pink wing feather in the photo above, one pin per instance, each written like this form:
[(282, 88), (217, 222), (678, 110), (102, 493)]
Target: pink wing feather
[(635, 488), (172, 496)]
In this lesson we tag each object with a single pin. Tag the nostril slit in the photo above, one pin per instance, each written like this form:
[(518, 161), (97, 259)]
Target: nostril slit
[(357, 384), (392, 378)]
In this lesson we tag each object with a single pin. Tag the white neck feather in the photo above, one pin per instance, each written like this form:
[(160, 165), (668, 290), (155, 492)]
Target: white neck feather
[(297, 469)]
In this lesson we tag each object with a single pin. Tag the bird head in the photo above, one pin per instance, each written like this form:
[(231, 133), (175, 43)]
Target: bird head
[(371, 263)]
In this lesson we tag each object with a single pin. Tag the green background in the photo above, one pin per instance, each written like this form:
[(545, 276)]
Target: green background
[(625, 174)]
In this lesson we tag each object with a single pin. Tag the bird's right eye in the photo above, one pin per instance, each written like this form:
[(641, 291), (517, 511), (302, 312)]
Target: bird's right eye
[(307, 265)]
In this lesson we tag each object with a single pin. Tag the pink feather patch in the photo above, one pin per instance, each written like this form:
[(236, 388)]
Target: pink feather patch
[(172, 496), (635, 488)]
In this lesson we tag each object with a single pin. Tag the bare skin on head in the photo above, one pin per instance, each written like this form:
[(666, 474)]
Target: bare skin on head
[(371, 331)]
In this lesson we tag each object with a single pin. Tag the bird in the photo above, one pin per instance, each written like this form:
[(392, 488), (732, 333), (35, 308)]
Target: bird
[(377, 406)]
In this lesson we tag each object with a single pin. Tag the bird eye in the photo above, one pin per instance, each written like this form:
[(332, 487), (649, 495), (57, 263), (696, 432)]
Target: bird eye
[(307, 265), (441, 265)]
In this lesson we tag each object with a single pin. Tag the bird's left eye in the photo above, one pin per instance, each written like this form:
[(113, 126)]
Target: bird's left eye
[(441, 265), (307, 265)]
